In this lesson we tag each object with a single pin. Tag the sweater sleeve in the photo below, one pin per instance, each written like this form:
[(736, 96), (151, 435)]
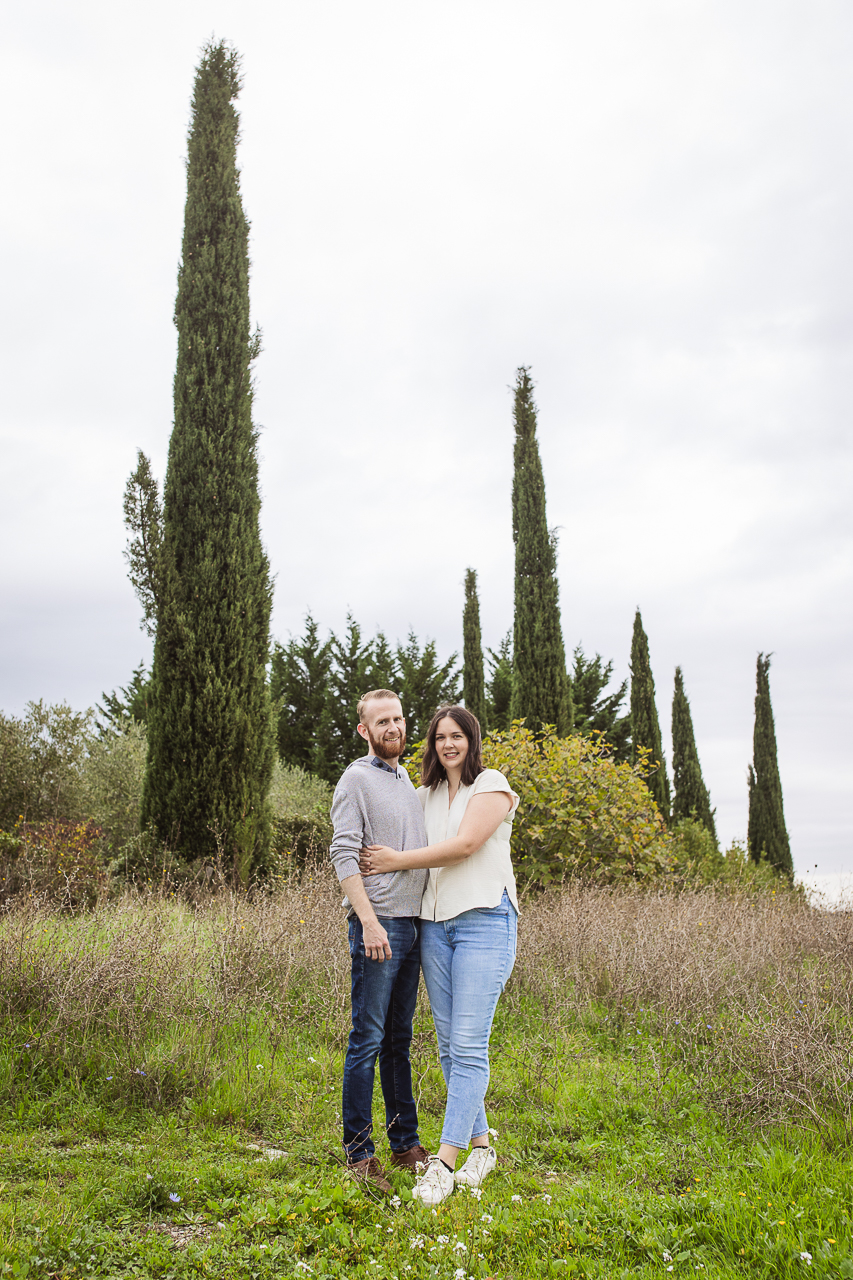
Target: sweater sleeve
[(348, 822)]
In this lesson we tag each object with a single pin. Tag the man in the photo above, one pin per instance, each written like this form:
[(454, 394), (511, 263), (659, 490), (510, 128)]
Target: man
[(375, 803)]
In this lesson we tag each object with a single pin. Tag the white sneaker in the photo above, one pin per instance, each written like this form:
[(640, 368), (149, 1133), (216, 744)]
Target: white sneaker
[(435, 1185), (478, 1166)]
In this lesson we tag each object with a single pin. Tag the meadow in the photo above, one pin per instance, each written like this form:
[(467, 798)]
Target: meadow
[(671, 1093)]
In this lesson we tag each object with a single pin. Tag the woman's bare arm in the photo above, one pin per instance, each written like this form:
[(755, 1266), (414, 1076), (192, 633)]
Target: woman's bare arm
[(484, 815)]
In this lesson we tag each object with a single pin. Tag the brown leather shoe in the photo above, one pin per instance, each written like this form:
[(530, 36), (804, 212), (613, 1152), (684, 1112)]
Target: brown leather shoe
[(370, 1170), (415, 1159)]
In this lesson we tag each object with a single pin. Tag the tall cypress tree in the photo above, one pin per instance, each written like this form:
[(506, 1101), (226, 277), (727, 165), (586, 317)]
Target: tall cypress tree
[(766, 833), (691, 798), (541, 693), (645, 726), (211, 745), (473, 675)]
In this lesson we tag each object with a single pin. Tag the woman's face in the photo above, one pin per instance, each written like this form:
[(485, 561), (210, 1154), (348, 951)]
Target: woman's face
[(451, 745)]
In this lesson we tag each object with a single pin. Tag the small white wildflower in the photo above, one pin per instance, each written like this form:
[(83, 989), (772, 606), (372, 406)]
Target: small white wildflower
[(481, 1255), (460, 1246), (459, 1273), (390, 1230), (547, 1198), (516, 1199), (486, 1217), (148, 1177), (396, 1201), (669, 1268), (442, 1239), (312, 1059), (485, 1233), (476, 1192), (259, 1066), (806, 1258), (494, 1133), (667, 1257), (416, 1242), (303, 1266)]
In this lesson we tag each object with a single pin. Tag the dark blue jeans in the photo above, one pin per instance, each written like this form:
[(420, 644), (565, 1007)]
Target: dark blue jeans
[(383, 1006)]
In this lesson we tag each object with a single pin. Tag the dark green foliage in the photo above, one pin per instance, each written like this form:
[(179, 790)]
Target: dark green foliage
[(645, 726), (596, 712), (316, 685), (423, 683), (541, 693), (766, 833), (211, 744), (499, 688), (350, 676), (143, 517), (128, 703), (691, 798), (473, 676), (299, 680)]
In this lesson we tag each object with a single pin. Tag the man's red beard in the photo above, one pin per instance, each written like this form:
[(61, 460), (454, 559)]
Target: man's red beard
[(387, 750)]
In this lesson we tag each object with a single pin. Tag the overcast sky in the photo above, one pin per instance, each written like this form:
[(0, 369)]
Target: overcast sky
[(649, 203)]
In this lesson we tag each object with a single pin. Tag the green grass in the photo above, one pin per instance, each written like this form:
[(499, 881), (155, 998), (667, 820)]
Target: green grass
[(619, 1169)]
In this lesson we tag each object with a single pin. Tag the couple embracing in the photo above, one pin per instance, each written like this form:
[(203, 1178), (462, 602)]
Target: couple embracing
[(429, 885)]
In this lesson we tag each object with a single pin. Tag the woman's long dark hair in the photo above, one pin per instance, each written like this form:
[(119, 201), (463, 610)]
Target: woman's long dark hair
[(432, 770)]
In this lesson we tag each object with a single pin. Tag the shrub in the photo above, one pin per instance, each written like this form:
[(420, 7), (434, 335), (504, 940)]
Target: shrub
[(302, 828), (111, 782), (580, 811), (41, 760), (56, 861)]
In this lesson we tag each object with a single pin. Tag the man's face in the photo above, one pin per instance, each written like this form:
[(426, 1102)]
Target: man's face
[(384, 727)]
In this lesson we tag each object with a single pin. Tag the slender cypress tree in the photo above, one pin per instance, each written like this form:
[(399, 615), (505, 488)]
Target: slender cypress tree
[(766, 833), (473, 674), (541, 693), (645, 726), (691, 798), (211, 744)]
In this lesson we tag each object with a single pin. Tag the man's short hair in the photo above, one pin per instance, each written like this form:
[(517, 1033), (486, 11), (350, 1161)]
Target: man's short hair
[(371, 696)]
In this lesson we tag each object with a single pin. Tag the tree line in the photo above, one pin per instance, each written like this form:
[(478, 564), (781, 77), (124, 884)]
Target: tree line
[(215, 715)]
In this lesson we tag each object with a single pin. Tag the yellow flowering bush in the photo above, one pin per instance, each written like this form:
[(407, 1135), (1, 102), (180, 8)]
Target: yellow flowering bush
[(580, 812)]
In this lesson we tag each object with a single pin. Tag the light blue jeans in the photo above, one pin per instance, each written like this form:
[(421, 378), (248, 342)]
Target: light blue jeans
[(466, 962)]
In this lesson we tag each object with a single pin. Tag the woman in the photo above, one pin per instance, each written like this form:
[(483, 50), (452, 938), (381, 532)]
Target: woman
[(469, 914)]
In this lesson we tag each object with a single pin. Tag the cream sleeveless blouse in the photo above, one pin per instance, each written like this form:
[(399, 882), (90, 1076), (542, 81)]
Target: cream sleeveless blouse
[(480, 880)]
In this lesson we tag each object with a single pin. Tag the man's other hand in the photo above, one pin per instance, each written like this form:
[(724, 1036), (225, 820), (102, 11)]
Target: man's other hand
[(376, 944)]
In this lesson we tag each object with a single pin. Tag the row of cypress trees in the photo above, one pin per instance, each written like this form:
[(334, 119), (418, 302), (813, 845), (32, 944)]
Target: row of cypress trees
[(542, 688), (203, 577)]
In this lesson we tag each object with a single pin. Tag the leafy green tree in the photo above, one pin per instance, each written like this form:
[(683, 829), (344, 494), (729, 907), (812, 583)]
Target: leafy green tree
[(499, 687), (299, 683), (691, 798), (210, 731), (382, 671), (645, 726), (424, 684), (541, 694), (351, 665), (127, 704), (766, 832), (596, 712), (42, 757), (143, 517), (473, 676)]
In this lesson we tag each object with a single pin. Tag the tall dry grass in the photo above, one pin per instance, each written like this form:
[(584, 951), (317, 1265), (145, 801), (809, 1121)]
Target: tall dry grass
[(748, 995)]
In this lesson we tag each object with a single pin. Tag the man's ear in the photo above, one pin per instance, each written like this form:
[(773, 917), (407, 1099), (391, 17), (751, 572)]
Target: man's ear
[(362, 730)]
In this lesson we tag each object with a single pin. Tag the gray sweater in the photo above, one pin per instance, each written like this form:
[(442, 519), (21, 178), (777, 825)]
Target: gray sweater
[(373, 806)]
